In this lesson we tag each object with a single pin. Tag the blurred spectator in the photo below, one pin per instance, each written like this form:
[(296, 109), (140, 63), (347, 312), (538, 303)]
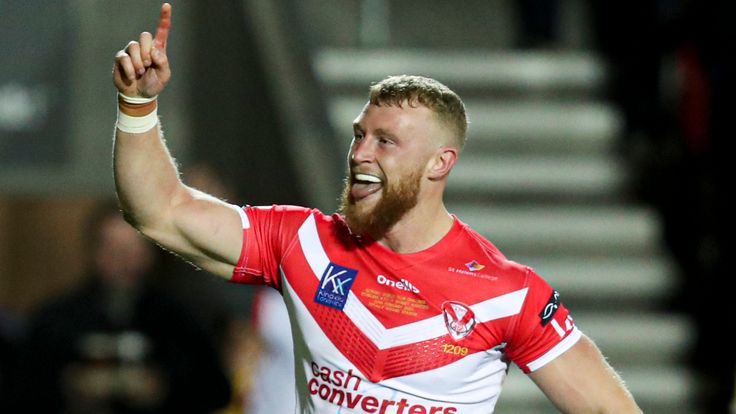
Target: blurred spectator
[(673, 76), (117, 344)]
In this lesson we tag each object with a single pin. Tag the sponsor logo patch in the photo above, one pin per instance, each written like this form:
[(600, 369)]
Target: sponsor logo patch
[(335, 285), (550, 308), (474, 266), (459, 319)]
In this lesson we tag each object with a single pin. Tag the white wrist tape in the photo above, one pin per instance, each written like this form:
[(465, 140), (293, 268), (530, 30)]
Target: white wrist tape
[(136, 124), (137, 100)]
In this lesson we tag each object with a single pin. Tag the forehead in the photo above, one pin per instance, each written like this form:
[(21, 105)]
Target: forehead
[(401, 120)]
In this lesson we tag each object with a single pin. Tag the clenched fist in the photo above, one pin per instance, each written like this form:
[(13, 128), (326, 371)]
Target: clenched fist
[(142, 68)]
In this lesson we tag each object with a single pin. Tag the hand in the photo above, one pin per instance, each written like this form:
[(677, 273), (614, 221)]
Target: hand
[(142, 68)]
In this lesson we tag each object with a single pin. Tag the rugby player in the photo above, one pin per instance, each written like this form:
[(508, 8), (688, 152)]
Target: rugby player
[(397, 306)]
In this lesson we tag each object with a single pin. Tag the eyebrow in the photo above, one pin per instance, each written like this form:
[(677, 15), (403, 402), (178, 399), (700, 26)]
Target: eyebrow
[(385, 133), (379, 131)]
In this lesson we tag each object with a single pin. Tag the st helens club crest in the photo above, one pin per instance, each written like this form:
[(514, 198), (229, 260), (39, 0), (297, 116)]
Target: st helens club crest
[(459, 319)]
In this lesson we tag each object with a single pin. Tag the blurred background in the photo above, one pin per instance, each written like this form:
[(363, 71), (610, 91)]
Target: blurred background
[(596, 154)]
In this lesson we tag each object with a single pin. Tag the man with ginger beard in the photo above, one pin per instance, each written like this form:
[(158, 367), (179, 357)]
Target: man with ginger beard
[(386, 175), (396, 305)]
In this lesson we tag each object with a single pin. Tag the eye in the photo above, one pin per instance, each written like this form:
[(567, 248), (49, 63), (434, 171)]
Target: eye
[(357, 137)]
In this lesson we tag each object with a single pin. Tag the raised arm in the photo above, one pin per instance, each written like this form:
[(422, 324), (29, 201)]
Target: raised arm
[(201, 228), (580, 381)]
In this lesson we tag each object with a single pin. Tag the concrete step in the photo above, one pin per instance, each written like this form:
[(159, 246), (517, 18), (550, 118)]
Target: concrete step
[(535, 230), (549, 126), (620, 335), (529, 72), (608, 280), (491, 176)]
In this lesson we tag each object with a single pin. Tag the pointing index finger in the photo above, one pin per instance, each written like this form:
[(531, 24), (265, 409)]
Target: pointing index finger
[(162, 31)]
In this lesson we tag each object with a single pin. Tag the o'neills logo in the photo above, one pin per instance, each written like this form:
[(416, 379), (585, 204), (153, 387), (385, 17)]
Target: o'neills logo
[(402, 284), (550, 308), (341, 388), (459, 319)]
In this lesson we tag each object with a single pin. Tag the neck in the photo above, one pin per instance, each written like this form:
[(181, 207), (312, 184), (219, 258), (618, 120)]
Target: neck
[(418, 230)]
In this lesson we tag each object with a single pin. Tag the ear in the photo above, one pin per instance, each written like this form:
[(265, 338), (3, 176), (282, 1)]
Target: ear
[(441, 163)]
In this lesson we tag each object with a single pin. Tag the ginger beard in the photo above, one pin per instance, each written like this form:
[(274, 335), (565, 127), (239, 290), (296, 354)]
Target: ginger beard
[(396, 200)]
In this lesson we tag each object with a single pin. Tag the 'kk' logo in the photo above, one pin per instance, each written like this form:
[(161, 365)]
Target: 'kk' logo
[(335, 285)]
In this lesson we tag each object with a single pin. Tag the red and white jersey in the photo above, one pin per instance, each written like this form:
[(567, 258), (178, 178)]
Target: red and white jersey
[(376, 331)]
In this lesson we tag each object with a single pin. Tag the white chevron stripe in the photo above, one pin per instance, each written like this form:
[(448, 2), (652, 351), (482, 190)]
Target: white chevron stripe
[(557, 350), (312, 246), (494, 308), (500, 306)]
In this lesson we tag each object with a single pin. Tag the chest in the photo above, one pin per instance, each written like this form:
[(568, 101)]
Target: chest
[(390, 318)]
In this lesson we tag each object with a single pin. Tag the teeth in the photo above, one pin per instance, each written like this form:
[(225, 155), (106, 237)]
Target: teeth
[(366, 177)]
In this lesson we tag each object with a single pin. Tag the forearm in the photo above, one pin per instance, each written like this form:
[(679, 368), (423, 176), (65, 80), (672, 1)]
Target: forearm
[(146, 178)]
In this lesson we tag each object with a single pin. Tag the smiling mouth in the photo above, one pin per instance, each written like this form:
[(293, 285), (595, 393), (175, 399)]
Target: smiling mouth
[(364, 185)]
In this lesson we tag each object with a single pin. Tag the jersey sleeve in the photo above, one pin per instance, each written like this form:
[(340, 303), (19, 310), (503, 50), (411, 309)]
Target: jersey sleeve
[(543, 330), (268, 233)]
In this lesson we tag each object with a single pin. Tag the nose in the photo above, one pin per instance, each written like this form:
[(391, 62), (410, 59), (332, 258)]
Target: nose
[(362, 151)]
